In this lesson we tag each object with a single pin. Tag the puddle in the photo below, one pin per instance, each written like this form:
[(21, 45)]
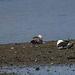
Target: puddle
[(39, 70)]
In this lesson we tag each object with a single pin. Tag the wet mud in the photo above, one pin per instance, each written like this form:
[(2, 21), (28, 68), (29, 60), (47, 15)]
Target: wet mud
[(29, 54)]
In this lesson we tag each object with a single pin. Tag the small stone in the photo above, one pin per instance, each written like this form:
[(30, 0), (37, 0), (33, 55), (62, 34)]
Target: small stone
[(37, 68), (35, 60), (15, 52), (3, 58), (24, 47), (40, 52), (36, 45), (43, 42), (52, 63), (12, 48), (30, 45), (52, 58)]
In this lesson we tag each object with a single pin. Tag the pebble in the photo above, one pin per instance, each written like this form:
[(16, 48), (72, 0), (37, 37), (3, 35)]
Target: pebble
[(52, 63), (43, 42), (52, 58), (24, 47), (15, 52), (36, 45), (30, 45), (36, 60), (12, 48), (37, 68)]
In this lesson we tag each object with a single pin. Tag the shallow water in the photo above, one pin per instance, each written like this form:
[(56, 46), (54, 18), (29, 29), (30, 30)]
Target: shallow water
[(20, 20), (39, 70)]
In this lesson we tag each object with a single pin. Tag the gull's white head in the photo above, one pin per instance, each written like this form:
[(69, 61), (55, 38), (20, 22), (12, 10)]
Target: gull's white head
[(40, 36), (59, 41)]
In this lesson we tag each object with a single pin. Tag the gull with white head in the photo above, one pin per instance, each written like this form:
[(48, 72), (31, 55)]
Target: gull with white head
[(37, 39), (61, 44)]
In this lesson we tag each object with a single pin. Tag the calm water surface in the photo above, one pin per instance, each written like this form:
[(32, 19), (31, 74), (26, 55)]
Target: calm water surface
[(20, 20)]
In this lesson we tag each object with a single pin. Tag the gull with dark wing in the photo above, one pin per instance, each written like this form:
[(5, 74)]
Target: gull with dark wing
[(37, 40), (61, 44)]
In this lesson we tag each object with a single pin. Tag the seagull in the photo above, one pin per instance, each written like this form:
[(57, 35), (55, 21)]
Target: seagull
[(37, 40), (61, 44)]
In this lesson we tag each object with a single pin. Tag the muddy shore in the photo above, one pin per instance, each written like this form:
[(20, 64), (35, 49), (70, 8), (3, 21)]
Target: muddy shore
[(29, 54)]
